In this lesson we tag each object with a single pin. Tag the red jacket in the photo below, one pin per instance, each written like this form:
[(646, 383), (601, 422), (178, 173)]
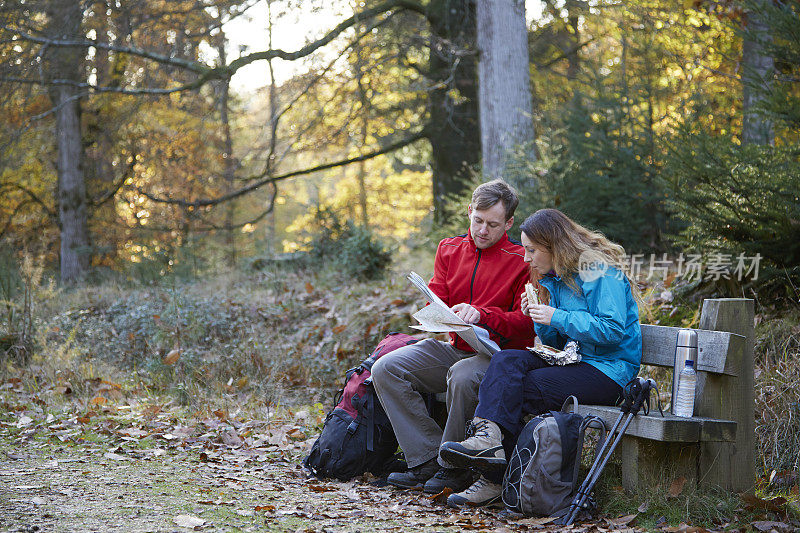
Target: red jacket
[(492, 281)]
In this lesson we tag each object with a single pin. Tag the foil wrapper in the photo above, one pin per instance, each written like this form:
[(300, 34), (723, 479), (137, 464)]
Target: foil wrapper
[(553, 356)]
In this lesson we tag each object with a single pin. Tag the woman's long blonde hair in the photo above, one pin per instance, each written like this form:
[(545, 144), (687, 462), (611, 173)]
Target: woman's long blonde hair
[(571, 245)]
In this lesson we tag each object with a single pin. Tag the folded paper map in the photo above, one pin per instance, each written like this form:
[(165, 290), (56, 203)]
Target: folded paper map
[(439, 318)]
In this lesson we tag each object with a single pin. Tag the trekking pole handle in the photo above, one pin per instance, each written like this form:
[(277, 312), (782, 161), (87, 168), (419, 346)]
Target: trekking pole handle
[(642, 394)]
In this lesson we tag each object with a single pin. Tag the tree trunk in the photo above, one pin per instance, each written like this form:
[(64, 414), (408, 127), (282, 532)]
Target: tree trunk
[(506, 115), (229, 163), (65, 17), (574, 10), (364, 118), (453, 128), (757, 72)]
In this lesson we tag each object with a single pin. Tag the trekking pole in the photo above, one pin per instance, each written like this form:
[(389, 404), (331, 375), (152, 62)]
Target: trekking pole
[(625, 408), (637, 393)]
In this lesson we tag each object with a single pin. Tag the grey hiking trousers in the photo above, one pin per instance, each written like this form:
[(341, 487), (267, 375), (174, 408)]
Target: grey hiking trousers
[(429, 366)]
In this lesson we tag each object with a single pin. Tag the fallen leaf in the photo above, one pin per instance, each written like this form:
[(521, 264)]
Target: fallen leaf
[(622, 520), (753, 502), (309, 288), (764, 525), (268, 508), (114, 456), (681, 528), (98, 400), (442, 496), (172, 357), (676, 487), (321, 488), (536, 521), (340, 328), (185, 520), (296, 434), (231, 438), (133, 432)]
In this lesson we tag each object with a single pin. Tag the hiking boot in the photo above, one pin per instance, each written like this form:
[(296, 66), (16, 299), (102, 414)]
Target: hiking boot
[(414, 478), (455, 479), (482, 492), (483, 450)]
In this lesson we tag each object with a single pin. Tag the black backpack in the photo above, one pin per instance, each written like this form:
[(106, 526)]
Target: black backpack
[(542, 474), (357, 436)]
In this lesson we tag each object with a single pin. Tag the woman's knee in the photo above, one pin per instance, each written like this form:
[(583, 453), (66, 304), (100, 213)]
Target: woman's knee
[(507, 360)]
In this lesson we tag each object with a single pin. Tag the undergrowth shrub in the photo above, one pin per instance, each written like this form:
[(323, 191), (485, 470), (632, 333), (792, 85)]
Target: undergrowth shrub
[(267, 336), (778, 398), (352, 250)]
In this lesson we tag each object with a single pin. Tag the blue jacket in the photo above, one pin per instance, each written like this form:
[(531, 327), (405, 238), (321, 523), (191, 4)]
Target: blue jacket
[(604, 319)]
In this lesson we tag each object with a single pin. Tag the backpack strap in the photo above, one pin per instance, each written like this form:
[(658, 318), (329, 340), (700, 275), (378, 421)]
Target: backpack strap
[(571, 399), (563, 429), (588, 421)]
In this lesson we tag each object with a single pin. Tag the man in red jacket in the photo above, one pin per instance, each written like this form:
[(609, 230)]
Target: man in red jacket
[(482, 276)]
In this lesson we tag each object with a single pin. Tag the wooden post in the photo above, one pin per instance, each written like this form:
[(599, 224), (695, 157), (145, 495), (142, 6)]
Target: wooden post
[(730, 465), (647, 463)]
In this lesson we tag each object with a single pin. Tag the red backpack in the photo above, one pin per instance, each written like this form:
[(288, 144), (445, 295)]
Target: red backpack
[(357, 436)]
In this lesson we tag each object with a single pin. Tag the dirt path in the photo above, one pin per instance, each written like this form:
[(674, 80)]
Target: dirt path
[(55, 489), (150, 467)]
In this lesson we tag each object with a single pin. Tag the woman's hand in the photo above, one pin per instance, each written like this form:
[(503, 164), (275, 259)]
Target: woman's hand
[(541, 314), (524, 305)]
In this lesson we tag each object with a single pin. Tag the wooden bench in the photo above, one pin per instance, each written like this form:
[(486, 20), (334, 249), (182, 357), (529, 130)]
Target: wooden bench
[(717, 445)]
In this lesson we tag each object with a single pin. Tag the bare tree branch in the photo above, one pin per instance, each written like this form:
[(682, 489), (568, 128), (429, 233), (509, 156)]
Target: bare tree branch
[(244, 190), (32, 196), (207, 73)]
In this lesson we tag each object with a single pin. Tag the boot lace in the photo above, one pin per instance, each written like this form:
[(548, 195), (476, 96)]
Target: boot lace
[(481, 429), (477, 486)]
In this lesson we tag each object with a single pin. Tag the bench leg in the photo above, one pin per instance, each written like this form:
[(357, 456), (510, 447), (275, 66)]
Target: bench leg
[(647, 463)]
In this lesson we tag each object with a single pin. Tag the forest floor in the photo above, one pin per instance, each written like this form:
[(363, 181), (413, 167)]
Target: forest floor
[(190, 406), (150, 466), (144, 467)]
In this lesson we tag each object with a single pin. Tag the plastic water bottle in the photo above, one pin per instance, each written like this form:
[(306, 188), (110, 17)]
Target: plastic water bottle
[(684, 403)]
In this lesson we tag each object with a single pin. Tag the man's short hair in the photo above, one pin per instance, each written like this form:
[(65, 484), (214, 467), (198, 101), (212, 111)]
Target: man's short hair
[(489, 193)]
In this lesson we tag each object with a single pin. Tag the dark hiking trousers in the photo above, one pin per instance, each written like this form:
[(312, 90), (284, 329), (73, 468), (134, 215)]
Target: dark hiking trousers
[(519, 382)]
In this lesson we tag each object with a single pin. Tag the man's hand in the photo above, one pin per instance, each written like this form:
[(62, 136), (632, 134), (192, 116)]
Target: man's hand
[(467, 313), (541, 314)]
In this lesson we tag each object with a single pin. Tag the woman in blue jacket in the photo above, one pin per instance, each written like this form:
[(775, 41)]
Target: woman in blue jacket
[(590, 301)]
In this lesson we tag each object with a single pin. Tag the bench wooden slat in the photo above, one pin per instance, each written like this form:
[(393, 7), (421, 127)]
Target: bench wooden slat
[(669, 428), (713, 348)]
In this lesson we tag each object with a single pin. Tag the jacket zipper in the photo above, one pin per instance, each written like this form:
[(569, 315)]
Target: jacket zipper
[(474, 271)]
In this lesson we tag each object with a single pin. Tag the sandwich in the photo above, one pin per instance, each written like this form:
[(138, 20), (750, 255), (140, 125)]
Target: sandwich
[(532, 293)]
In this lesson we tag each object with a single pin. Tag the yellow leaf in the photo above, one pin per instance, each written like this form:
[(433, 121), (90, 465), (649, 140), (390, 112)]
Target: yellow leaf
[(172, 357), (676, 487)]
